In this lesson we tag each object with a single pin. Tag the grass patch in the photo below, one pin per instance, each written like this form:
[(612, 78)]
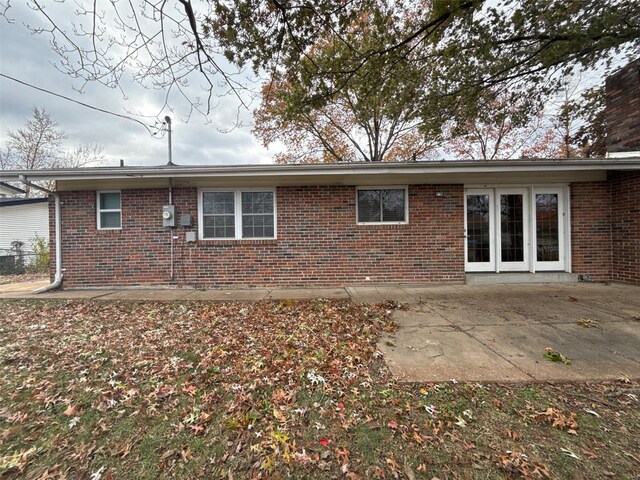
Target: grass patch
[(274, 390)]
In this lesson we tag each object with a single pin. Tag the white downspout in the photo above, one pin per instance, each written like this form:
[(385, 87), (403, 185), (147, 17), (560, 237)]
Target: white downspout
[(58, 219)]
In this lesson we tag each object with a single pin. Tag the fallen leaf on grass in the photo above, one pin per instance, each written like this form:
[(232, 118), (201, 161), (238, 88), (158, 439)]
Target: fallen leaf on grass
[(16, 461), (558, 420), (516, 462), (569, 453), (512, 434), (71, 411), (408, 471)]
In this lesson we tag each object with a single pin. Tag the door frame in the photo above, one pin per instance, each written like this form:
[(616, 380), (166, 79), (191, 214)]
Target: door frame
[(478, 266), (560, 264), (564, 225), (525, 264)]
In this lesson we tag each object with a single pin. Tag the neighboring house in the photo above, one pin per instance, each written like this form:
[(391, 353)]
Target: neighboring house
[(22, 219), (7, 190), (339, 224)]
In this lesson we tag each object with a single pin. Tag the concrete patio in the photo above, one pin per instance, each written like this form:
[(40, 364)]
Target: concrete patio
[(500, 332)]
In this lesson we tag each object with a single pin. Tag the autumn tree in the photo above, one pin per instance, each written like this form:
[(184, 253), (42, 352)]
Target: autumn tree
[(500, 130), (522, 46), (39, 144), (373, 118)]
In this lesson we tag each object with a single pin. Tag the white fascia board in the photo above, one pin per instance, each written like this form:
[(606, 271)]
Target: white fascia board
[(444, 167), (623, 154)]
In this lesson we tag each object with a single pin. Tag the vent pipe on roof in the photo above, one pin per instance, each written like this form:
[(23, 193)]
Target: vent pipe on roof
[(167, 120)]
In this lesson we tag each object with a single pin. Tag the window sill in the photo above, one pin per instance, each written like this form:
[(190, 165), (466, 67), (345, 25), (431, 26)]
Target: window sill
[(384, 226), (107, 231), (238, 241)]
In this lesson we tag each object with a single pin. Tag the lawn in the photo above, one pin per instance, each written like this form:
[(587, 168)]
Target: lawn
[(106, 390)]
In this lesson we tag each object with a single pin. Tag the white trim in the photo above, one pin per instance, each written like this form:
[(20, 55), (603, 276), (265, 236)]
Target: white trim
[(107, 210), (567, 232), (371, 168), (385, 187), (634, 154), (237, 197), (560, 264), (564, 225), (524, 265), (491, 264)]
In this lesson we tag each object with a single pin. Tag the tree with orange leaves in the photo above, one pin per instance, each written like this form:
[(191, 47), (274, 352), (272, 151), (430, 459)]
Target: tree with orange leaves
[(373, 118)]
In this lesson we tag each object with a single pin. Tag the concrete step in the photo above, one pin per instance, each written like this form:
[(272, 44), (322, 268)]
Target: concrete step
[(520, 277)]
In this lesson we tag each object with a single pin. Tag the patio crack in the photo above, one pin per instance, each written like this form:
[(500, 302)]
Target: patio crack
[(466, 332), (485, 345)]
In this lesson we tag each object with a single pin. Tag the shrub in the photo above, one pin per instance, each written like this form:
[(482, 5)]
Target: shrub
[(40, 248)]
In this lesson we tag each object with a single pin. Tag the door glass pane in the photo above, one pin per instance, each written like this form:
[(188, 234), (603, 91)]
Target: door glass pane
[(478, 233), (512, 228), (547, 237)]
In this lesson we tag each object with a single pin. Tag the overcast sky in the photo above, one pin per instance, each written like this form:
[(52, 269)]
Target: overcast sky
[(30, 58)]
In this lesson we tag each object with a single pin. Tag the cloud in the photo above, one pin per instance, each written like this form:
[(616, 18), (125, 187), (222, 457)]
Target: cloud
[(199, 141)]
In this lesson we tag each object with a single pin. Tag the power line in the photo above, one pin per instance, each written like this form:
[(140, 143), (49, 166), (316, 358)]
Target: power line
[(44, 90)]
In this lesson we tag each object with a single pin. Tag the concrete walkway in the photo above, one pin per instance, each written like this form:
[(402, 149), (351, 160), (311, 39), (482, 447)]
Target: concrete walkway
[(500, 332), (361, 294)]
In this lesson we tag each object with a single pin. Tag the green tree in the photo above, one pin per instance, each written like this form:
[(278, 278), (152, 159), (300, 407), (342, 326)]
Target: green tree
[(525, 47), (521, 46)]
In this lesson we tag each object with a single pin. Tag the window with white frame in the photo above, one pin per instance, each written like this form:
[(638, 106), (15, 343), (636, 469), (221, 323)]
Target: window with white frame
[(382, 205), (109, 210), (237, 214)]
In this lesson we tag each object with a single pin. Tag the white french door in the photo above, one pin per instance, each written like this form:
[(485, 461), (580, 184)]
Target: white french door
[(479, 230), (512, 239), (515, 229)]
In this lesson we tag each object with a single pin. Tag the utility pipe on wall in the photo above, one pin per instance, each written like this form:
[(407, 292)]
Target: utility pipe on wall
[(58, 227), (167, 120)]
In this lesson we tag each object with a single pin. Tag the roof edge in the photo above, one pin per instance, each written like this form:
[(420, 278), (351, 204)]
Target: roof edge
[(447, 166)]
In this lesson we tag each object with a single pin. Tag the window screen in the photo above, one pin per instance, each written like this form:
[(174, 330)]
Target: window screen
[(218, 214), (381, 205), (257, 215), (109, 210)]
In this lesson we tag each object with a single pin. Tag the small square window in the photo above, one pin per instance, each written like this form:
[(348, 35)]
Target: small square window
[(382, 205), (109, 211)]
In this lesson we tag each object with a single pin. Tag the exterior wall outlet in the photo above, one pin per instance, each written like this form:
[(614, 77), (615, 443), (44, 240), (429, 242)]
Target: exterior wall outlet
[(169, 216), (190, 237)]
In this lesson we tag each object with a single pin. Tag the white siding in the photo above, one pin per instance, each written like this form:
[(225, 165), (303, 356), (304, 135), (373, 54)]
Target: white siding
[(23, 222)]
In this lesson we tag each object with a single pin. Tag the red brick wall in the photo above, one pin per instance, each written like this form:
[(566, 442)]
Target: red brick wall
[(625, 226), (318, 244), (591, 229)]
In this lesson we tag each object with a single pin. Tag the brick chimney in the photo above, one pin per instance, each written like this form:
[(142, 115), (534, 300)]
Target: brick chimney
[(623, 111)]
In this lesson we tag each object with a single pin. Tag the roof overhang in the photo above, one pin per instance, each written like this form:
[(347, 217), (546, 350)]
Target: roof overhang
[(440, 172)]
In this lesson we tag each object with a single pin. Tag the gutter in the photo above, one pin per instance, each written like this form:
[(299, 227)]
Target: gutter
[(374, 168), (57, 281)]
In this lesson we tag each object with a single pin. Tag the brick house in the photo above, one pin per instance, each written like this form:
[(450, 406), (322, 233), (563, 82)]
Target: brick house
[(338, 224)]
